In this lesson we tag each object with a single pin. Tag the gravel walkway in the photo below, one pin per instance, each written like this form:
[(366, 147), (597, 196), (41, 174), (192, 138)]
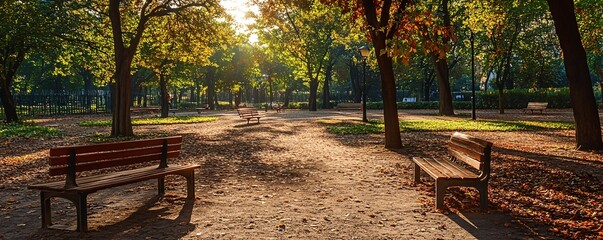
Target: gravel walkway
[(283, 178)]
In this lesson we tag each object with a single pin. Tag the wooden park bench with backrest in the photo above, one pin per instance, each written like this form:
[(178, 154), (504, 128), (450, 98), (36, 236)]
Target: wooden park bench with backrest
[(248, 113), (536, 106), (72, 160), (468, 165), (199, 110), (143, 110), (349, 106)]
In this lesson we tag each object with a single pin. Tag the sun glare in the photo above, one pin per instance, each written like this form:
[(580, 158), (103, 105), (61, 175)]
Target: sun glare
[(238, 9)]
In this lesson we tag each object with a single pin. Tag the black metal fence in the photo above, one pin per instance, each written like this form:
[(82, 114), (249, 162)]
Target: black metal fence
[(45, 104)]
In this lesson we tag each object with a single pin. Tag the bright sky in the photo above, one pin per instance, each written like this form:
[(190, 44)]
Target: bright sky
[(238, 9)]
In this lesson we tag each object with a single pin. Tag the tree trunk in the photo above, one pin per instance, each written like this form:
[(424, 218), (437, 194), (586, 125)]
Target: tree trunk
[(10, 110), (313, 94), (165, 96), (586, 115), (388, 82), (9, 68), (313, 90), (442, 74), (122, 122), (441, 68), (429, 75), (288, 92), (326, 92), (599, 70), (211, 88), (355, 81)]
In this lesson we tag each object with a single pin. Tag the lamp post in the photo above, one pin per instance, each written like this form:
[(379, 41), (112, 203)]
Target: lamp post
[(364, 52)]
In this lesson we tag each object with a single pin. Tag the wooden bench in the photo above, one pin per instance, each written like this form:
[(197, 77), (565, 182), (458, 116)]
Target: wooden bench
[(278, 107), (536, 106), (199, 110), (248, 113), (173, 111), (70, 161), (349, 106), (143, 110), (468, 165)]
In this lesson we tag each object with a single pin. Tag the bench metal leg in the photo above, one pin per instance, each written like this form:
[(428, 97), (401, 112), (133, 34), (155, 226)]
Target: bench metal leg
[(417, 173), (46, 217), (440, 191), (78, 199), (161, 186), (82, 212), (483, 196), (190, 183)]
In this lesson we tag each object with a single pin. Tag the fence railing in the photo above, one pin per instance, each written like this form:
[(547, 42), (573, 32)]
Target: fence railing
[(46, 104)]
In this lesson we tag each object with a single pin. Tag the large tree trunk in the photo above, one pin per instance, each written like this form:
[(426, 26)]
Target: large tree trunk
[(388, 82), (288, 92), (9, 68), (586, 115), (10, 110), (445, 96), (165, 96), (122, 122), (441, 68)]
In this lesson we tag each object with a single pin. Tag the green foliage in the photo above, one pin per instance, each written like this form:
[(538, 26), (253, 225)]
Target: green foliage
[(348, 127), (27, 130), (154, 121)]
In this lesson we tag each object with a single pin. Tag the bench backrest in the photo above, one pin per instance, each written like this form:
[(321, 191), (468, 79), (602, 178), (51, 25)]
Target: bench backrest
[(473, 151), (537, 104), (247, 112), (69, 160)]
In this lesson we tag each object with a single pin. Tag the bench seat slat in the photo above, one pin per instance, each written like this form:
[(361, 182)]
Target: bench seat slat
[(103, 181), (444, 169)]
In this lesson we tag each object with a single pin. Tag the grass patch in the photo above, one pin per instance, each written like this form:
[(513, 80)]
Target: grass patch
[(101, 137), (27, 130), (354, 127), (153, 121)]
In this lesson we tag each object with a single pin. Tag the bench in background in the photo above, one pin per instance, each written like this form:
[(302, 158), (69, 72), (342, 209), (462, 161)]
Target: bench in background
[(199, 110), (143, 110), (248, 113), (468, 165), (536, 106), (69, 161), (349, 106)]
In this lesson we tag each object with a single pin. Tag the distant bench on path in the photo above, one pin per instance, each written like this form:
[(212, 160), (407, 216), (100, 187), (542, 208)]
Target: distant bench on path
[(536, 106), (349, 106)]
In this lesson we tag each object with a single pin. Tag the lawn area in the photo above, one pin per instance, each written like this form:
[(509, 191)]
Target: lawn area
[(355, 127), (153, 121), (27, 130)]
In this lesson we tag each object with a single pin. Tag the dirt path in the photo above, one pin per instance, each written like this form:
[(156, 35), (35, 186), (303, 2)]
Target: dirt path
[(283, 178)]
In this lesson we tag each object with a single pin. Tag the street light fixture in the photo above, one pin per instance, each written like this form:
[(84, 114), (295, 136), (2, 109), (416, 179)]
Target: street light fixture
[(364, 53)]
